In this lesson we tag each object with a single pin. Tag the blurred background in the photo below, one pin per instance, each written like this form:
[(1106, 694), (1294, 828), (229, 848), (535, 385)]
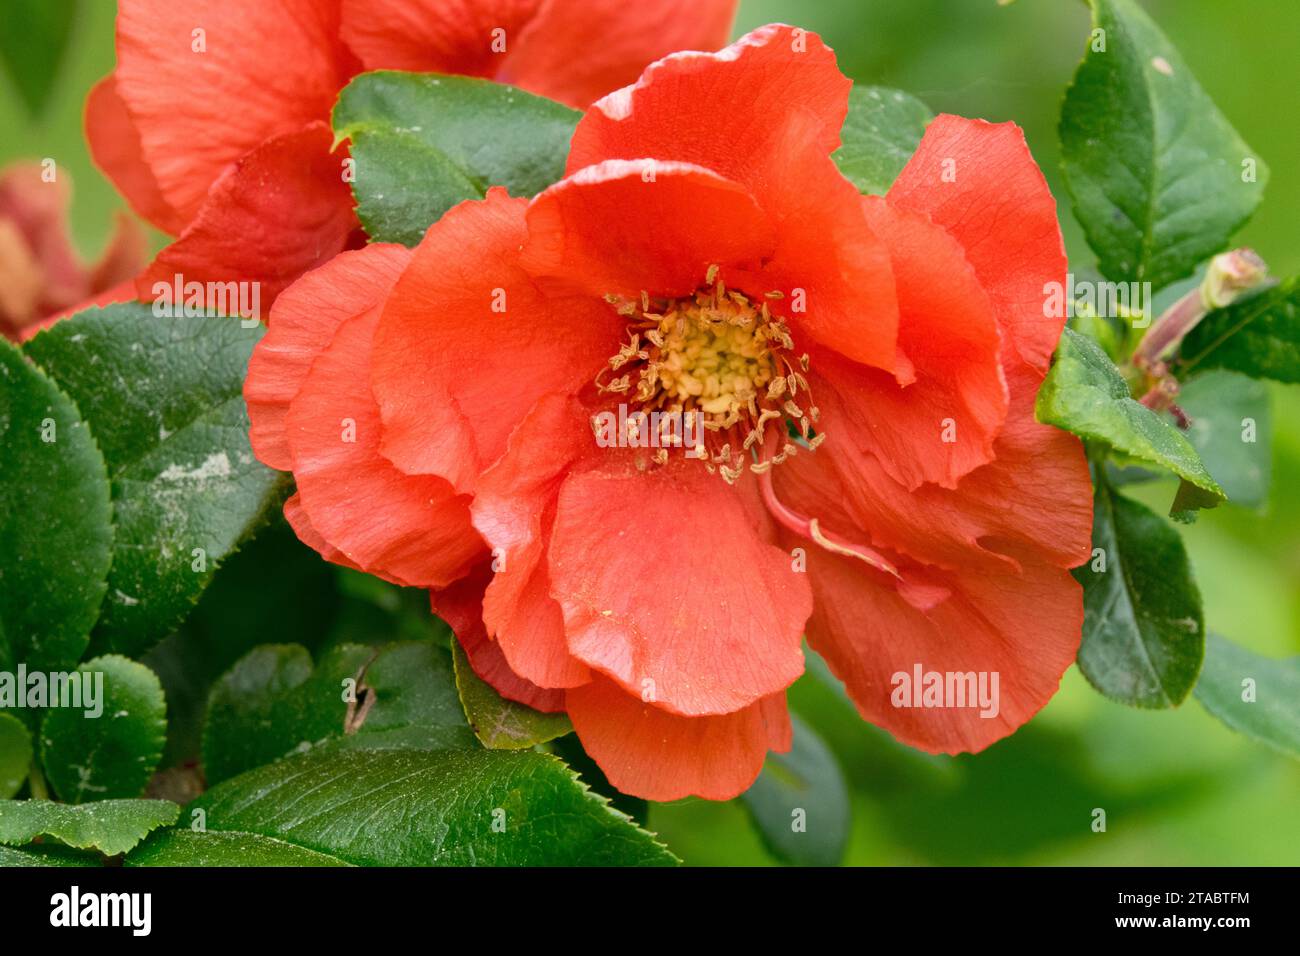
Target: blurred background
[(1178, 787)]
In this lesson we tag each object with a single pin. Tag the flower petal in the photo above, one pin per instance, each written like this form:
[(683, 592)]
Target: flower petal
[(513, 509), (667, 588), (578, 50), (281, 210), (624, 227), (942, 423), (649, 753), (766, 113), (115, 146), (461, 606), (409, 530), (1023, 625), (435, 36), (468, 343), (243, 73), (996, 203), (303, 322)]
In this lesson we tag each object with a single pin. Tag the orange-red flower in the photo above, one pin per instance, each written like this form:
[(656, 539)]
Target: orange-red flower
[(41, 275), (868, 472), (214, 124)]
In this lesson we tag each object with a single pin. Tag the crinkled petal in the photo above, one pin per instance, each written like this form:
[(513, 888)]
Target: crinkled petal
[(1022, 625), (303, 322), (667, 588), (208, 81), (513, 509), (653, 754), (436, 36), (942, 423), (461, 606), (281, 210), (468, 343), (978, 181), (766, 113), (409, 530)]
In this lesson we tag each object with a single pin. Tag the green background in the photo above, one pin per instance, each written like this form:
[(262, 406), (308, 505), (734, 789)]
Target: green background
[(1177, 786)]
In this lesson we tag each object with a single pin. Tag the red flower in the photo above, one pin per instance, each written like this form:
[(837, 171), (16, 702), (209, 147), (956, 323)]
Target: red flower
[(214, 124), (41, 276), (866, 367)]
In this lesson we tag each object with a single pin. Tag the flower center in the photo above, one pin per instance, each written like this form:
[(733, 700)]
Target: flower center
[(715, 367)]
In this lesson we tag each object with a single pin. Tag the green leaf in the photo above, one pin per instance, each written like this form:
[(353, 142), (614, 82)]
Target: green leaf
[(502, 724), (880, 134), (47, 854), (425, 142), (426, 808), (1232, 430), (112, 753), (273, 703), (110, 826), (800, 802), (1084, 393), (1254, 695), (1143, 629), (56, 536), (1258, 336), (32, 46), (216, 848), (15, 754), (1157, 174), (165, 399)]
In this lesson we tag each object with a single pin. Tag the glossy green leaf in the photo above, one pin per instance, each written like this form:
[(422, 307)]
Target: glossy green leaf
[(216, 848), (32, 46), (273, 702), (426, 808), (1254, 695), (164, 397), (424, 142), (1232, 431), (1084, 393), (111, 750), (502, 724), (56, 536), (1159, 178), (1143, 628), (1258, 336), (110, 826), (880, 134), (47, 854), (15, 754), (800, 802)]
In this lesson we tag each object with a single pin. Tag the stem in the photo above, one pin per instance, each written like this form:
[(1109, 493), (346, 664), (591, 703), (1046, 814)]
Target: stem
[(36, 781)]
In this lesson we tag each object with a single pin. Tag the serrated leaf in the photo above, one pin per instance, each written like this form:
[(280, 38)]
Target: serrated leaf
[(56, 536), (32, 46), (1232, 431), (880, 134), (425, 808), (1143, 628), (1254, 695), (498, 723), (800, 803), (164, 397), (1155, 170), (1258, 336), (110, 826), (273, 702), (424, 142), (1085, 393), (15, 754), (111, 755)]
